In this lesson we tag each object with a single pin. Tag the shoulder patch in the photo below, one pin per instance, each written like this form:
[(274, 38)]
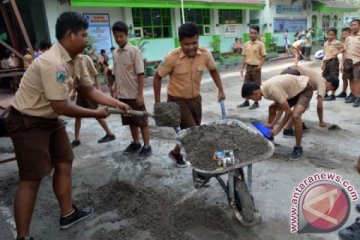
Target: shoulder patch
[(61, 74)]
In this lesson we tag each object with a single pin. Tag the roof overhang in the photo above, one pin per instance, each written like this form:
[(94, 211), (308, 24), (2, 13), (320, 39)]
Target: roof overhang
[(333, 6), (193, 4)]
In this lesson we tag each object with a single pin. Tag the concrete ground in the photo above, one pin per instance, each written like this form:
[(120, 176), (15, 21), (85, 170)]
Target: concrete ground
[(153, 199)]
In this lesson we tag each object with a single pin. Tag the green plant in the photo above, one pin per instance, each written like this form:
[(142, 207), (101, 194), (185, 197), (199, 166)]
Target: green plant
[(215, 45), (140, 44)]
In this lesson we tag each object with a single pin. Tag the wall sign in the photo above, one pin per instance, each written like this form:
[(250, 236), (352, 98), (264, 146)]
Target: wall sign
[(99, 31), (230, 31), (292, 25), (283, 9)]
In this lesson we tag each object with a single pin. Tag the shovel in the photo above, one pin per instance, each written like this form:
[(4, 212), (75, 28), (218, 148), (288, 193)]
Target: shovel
[(166, 114)]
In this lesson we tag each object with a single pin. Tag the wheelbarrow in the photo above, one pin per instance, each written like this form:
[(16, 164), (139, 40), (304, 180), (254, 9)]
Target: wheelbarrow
[(238, 187)]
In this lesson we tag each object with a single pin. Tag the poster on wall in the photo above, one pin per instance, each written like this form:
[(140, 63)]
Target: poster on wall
[(230, 31), (99, 31), (292, 25)]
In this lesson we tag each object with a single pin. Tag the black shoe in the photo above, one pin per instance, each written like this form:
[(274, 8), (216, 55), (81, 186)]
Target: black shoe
[(341, 95), (352, 232), (144, 153), (25, 238), (77, 216), (75, 143), (350, 95), (350, 99), (244, 104), (326, 95), (357, 102), (133, 147), (179, 159), (296, 154), (330, 98), (287, 133), (254, 106), (357, 207), (305, 128), (107, 138)]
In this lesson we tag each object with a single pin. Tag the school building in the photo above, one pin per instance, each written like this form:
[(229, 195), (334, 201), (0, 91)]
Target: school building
[(157, 21)]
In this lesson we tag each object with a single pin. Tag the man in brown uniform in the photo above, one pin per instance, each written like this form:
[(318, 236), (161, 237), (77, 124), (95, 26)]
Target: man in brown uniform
[(345, 33), (87, 103), (185, 66), (39, 138), (255, 54), (351, 62), (128, 68), (330, 64), (286, 91)]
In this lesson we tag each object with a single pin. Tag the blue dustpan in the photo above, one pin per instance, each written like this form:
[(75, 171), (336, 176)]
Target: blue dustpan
[(264, 130)]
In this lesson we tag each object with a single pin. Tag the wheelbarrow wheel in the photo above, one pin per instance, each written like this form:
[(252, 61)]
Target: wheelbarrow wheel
[(244, 201)]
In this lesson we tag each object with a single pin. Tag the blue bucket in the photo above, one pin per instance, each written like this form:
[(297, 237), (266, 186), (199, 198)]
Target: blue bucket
[(261, 128)]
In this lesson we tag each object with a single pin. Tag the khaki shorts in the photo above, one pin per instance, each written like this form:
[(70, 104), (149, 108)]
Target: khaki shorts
[(39, 144), (191, 110), (302, 98), (331, 68), (134, 121), (85, 102), (253, 74), (351, 71)]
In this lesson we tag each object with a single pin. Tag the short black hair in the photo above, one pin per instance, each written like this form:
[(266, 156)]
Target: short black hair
[(334, 30), (248, 89), (255, 27), (346, 29), (333, 80), (70, 21), (120, 26), (291, 71), (188, 30), (44, 44), (102, 51), (236, 39), (355, 20), (112, 49)]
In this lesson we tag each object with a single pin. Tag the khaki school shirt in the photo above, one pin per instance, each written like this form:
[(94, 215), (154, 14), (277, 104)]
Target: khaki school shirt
[(283, 87), (128, 64), (316, 80), (331, 49), (297, 44), (352, 48), (254, 52), (90, 67), (50, 77), (185, 73)]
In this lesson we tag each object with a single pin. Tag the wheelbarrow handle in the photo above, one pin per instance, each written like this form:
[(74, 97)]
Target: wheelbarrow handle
[(130, 112), (223, 112)]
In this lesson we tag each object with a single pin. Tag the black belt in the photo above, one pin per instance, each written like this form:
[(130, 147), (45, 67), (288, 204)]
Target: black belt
[(252, 65)]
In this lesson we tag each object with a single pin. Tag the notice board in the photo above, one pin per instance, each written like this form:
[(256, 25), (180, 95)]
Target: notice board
[(99, 31)]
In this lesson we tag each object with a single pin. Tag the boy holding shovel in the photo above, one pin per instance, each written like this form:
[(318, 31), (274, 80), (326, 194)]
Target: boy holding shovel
[(185, 66)]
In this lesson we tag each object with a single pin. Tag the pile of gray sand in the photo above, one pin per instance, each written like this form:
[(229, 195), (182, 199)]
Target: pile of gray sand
[(200, 144), (167, 114)]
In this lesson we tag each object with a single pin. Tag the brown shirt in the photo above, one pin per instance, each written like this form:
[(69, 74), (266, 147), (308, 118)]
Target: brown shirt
[(283, 87), (352, 48), (316, 80), (90, 67), (254, 52), (331, 49), (50, 77), (185, 73), (128, 64)]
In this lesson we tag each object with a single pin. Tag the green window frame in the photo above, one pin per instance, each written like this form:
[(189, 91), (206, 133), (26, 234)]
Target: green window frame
[(200, 17), (155, 22), (230, 16)]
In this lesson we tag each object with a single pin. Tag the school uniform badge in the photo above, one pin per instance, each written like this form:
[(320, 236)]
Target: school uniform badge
[(61, 74)]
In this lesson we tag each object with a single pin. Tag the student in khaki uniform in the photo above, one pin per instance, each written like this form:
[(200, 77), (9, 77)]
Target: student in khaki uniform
[(286, 91), (185, 66), (87, 103), (320, 85), (254, 54), (128, 68), (330, 63), (39, 138), (345, 33), (351, 63)]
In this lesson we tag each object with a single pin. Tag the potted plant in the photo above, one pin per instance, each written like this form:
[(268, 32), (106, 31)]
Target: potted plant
[(215, 46)]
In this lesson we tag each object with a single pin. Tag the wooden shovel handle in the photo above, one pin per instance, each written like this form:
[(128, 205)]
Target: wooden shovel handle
[(130, 112)]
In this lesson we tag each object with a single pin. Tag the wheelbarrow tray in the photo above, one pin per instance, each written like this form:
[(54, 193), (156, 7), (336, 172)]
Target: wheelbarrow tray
[(250, 130)]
